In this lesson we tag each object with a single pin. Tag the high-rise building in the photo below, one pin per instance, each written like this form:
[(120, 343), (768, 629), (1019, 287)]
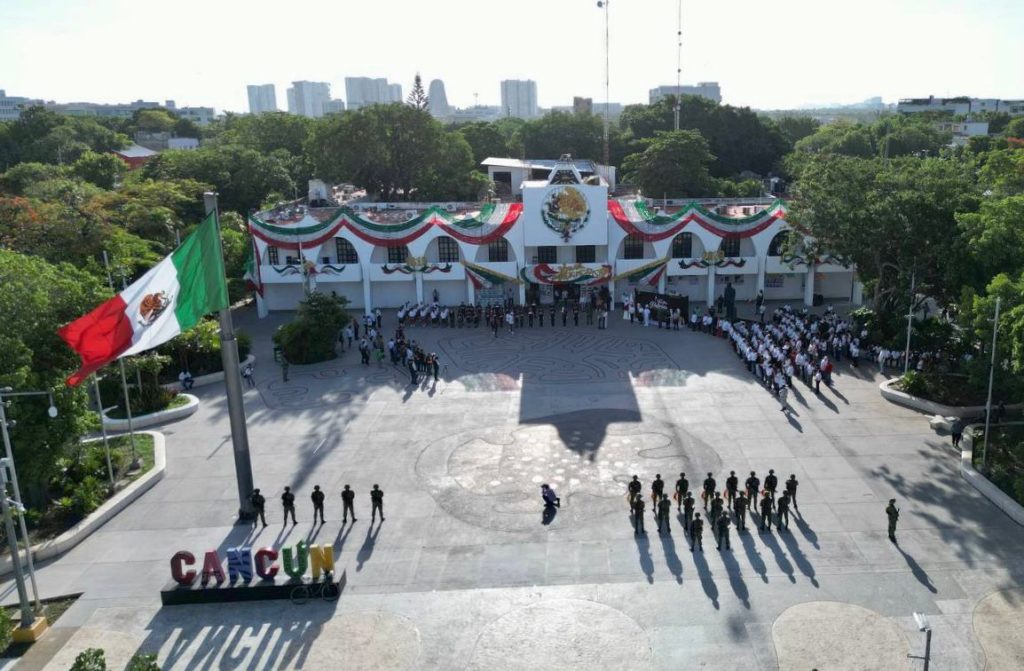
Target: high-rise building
[(709, 90), (262, 98), (438, 100), (308, 98), (334, 106), (366, 91), (12, 106), (519, 98)]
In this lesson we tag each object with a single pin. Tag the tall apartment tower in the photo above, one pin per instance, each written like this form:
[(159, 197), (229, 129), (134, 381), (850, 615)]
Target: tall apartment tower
[(308, 98), (438, 100), (519, 98), (366, 91), (262, 98)]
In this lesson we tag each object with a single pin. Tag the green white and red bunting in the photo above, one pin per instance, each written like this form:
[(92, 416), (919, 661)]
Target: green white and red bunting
[(173, 296), (543, 273), (635, 218), (492, 222), (649, 273), (485, 278)]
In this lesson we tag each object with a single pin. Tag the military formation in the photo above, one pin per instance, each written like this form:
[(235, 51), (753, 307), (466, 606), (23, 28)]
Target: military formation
[(318, 499)]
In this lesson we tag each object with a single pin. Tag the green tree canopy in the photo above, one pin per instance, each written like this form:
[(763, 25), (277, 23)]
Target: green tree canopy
[(673, 163)]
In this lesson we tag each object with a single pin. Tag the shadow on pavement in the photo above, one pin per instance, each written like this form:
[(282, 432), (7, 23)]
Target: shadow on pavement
[(675, 566), (706, 581)]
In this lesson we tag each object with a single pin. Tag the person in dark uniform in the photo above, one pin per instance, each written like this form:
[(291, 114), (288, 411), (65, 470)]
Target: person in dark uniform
[(551, 314), (575, 314), (657, 489), (791, 485), (740, 506), (551, 500), (638, 516), (688, 504), (565, 315), (893, 513), (348, 497), (376, 503), (783, 504), (732, 483), (722, 526), (753, 484), (540, 316), (664, 511), (259, 504), (288, 502), (709, 491), (529, 317), (717, 510), (633, 489), (318, 503), (766, 512), (590, 313), (771, 484), (682, 487), (697, 533)]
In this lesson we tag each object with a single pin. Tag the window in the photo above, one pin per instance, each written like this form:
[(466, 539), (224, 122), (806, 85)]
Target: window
[(633, 247), (497, 251), (447, 250), (586, 254), (682, 246), (547, 254), (272, 256), (398, 254), (730, 246), (345, 252), (778, 244)]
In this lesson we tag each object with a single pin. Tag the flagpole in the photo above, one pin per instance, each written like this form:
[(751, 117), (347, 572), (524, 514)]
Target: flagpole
[(124, 380), (233, 387), (103, 428)]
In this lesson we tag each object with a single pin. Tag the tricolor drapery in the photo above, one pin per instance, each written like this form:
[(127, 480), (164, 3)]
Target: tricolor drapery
[(634, 217)]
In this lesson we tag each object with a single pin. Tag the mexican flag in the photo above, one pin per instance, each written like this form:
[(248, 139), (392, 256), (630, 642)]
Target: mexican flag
[(172, 297)]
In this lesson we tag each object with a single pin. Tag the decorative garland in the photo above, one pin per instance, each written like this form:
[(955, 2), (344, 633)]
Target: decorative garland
[(492, 222), (794, 260), (636, 219), (649, 274), (416, 264), (485, 278), (711, 260), (575, 273)]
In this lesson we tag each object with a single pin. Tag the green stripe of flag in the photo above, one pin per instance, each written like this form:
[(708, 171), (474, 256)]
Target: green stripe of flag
[(200, 267)]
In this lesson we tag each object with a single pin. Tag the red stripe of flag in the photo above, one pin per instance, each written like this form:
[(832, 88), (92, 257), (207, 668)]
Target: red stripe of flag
[(98, 337)]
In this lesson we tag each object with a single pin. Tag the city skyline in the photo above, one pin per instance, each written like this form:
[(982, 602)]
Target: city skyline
[(798, 59)]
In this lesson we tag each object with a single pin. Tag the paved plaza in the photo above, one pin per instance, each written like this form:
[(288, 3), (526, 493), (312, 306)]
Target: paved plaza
[(467, 573)]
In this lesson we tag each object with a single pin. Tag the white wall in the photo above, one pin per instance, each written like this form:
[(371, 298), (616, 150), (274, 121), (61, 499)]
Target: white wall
[(392, 294), (353, 291), (834, 285), (792, 288), (452, 292)]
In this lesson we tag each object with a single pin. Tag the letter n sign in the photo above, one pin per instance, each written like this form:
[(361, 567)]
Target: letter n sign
[(240, 564)]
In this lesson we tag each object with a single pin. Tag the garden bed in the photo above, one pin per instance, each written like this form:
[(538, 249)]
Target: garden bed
[(52, 609), (1004, 464), (118, 411), (942, 388), (188, 407)]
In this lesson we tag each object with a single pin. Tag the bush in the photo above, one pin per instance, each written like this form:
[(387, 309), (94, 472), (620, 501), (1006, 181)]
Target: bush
[(198, 351), (311, 337), (91, 659), (143, 662), (5, 628)]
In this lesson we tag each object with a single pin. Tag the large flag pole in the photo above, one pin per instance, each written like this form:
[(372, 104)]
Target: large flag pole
[(233, 386), (135, 463)]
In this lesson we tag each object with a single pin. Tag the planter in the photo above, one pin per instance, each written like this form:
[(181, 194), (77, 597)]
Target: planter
[(997, 496), (76, 534), (154, 418), (893, 395), (212, 378)]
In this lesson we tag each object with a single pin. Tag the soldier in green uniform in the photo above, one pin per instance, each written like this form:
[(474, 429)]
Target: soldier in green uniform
[(688, 504), (717, 506), (638, 515), (288, 503), (766, 512), (740, 507), (258, 505), (783, 504), (664, 511), (723, 532), (318, 503), (682, 487), (697, 533), (376, 503), (893, 513), (632, 490)]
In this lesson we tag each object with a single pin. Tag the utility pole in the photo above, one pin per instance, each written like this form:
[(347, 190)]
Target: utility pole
[(27, 616), (679, 62), (233, 387), (910, 319), (607, 76), (991, 377)]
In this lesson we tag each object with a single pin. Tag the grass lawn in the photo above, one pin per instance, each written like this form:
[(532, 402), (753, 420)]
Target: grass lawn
[(118, 413)]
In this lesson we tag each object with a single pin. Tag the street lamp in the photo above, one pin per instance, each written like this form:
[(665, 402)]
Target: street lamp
[(923, 625), (991, 378)]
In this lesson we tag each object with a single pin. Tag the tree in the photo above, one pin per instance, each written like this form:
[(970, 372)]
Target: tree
[(1015, 128), (993, 240), (557, 133), (673, 163), (19, 178), (796, 128), (313, 334), (452, 176), (103, 170), (418, 98), (485, 140)]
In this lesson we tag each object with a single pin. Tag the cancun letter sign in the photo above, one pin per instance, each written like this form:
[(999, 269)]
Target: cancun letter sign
[(180, 560), (265, 559)]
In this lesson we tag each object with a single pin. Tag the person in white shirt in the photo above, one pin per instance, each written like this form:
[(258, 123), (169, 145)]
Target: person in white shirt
[(509, 320), (647, 315)]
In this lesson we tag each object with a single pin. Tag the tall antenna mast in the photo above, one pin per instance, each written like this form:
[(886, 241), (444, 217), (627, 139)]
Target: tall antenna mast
[(679, 61)]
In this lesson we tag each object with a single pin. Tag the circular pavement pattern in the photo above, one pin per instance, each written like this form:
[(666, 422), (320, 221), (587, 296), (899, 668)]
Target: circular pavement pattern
[(831, 635), (996, 624), (491, 477), (562, 634), (379, 641)]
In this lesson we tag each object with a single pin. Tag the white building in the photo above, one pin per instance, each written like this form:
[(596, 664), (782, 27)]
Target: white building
[(709, 90), (334, 106), (308, 98), (262, 98), (199, 115), (960, 105), (511, 175), (12, 106), (366, 91), (565, 235), (519, 98), (438, 99)]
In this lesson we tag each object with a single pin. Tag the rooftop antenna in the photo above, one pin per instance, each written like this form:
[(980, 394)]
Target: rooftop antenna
[(679, 61), (476, 99)]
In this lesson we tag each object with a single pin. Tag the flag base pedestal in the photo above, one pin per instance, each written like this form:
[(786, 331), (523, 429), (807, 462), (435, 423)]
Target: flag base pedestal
[(31, 633)]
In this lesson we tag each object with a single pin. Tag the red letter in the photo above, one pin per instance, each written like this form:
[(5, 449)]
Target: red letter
[(211, 567), (180, 560), (263, 557)]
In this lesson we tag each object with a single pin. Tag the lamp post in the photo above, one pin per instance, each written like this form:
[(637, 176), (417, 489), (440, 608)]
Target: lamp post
[(923, 625), (910, 322), (991, 377), (7, 391), (27, 616)]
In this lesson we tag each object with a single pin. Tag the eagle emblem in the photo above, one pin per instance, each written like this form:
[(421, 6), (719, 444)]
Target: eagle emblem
[(565, 211), (152, 306)]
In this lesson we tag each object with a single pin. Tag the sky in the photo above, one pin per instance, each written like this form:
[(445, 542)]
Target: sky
[(767, 54)]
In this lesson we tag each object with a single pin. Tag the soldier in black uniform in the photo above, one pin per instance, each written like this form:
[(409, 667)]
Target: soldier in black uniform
[(732, 483), (633, 489), (717, 510), (529, 317), (893, 513), (753, 484), (347, 499), (722, 526), (657, 489), (576, 316), (682, 487), (766, 512), (697, 533), (288, 502), (688, 504), (709, 491), (771, 484), (783, 503), (258, 505), (638, 516), (664, 510), (376, 503), (791, 485), (318, 503), (551, 314), (590, 312), (740, 506)]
